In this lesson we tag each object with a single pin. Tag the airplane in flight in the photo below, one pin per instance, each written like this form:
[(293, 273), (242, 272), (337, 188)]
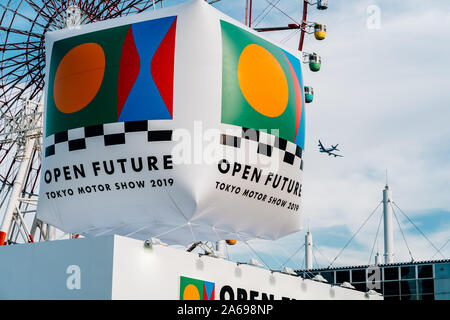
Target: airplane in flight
[(329, 151)]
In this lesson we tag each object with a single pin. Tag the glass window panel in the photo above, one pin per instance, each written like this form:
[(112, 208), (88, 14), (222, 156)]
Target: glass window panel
[(391, 288), (391, 273), (360, 286), (408, 272), (442, 296), (425, 271), (441, 286), (442, 270), (342, 276), (414, 297), (426, 297), (425, 286), (359, 275), (329, 275), (392, 298), (409, 297), (408, 287)]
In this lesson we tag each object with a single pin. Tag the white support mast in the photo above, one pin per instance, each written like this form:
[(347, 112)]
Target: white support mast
[(220, 248), (308, 251), (17, 189), (26, 129), (378, 259), (388, 226)]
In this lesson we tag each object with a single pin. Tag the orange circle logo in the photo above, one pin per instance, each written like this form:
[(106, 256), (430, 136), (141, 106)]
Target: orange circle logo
[(262, 81), (191, 293), (79, 77)]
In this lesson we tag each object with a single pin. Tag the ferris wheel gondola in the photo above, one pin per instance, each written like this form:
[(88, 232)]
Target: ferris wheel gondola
[(309, 94), (320, 31)]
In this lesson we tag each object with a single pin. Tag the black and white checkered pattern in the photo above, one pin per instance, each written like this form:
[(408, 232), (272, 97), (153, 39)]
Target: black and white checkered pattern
[(112, 133), (116, 134), (266, 144)]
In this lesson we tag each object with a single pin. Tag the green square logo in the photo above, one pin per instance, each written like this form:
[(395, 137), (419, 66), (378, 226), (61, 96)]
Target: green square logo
[(194, 289), (261, 85)]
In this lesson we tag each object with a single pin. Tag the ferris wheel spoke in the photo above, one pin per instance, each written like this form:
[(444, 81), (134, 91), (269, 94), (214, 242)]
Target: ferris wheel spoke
[(146, 5), (20, 46), (21, 32), (29, 176), (20, 92), (21, 15), (131, 4), (93, 14), (32, 82), (36, 178), (125, 8), (10, 120), (37, 89), (107, 9), (96, 7), (7, 183), (51, 6), (111, 5), (54, 15), (40, 10), (88, 7), (6, 152), (13, 59), (18, 65), (21, 63)]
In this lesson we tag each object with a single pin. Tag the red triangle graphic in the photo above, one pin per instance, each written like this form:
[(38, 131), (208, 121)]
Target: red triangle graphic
[(128, 71), (162, 67)]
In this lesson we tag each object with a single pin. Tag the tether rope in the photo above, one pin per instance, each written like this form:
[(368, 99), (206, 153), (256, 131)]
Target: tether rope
[(403, 235), (376, 238), (354, 235), (418, 229)]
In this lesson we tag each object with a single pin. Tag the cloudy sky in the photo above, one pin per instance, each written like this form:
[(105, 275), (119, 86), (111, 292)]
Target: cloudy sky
[(383, 95)]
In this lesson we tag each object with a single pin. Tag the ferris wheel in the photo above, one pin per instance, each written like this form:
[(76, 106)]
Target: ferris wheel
[(23, 26)]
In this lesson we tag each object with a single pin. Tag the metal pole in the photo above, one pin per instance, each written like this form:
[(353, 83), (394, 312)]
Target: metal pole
[(246, 12), (220, 247), (51, 233), (388, 226), (308, 251), (18, 183), (250, 14), (28, 238), (377, 259), (16, 191), (303, 26)]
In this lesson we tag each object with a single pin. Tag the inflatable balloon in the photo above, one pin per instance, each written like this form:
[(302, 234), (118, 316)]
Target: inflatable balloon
[(180, 124)]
